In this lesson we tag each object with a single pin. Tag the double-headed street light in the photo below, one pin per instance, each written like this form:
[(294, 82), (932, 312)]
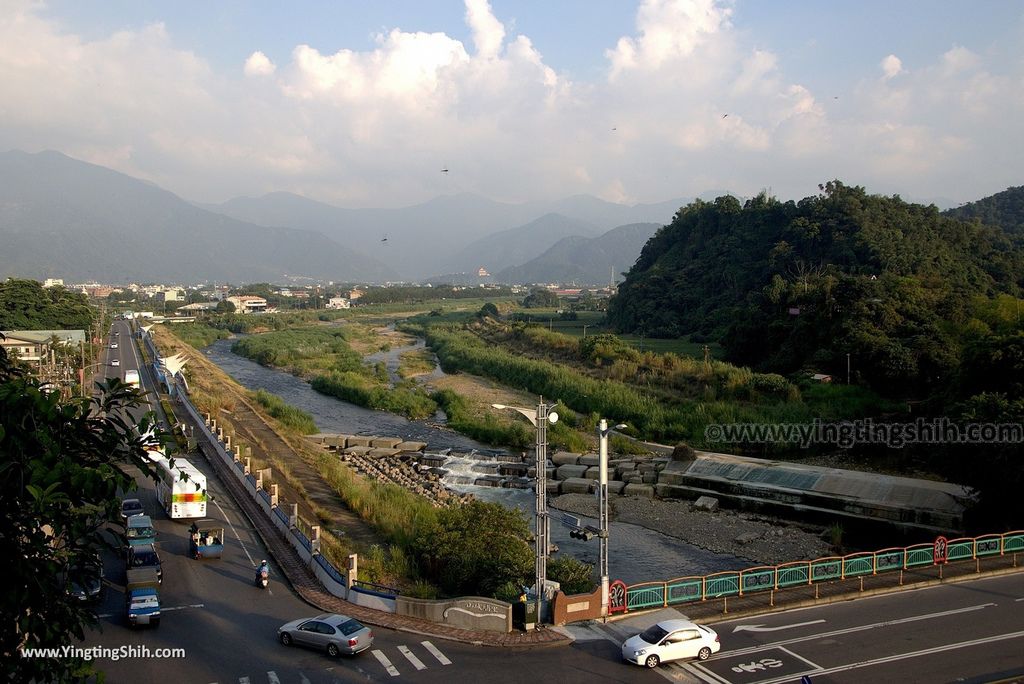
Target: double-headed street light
[(540, 417), (602, 505)]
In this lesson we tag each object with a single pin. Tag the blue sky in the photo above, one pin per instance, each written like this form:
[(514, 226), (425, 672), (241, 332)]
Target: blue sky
[(214, 100)]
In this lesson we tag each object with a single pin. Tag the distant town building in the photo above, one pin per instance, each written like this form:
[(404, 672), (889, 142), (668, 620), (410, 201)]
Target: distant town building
[(53, 282), (173, 294), (33, 345), (354, 294), (339, 303), (198, 306), (482, 273), (248, 303)]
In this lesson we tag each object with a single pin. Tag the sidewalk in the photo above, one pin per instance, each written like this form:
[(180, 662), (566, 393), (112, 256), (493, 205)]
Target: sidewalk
[(311, 591)]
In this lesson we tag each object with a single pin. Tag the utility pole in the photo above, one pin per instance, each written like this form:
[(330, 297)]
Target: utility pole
[(847, 369)]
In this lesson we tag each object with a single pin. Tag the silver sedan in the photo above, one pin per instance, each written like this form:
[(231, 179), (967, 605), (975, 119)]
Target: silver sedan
[(334, 633)]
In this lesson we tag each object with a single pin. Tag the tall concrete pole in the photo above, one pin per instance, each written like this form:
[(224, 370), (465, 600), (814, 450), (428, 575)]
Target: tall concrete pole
[(602, 505), (543, 526)]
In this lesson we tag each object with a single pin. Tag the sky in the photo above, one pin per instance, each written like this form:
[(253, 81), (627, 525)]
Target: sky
[(365, 104)]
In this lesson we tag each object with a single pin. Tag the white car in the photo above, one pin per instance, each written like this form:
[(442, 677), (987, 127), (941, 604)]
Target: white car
[(115, 362), (113, 345), (671, 640)]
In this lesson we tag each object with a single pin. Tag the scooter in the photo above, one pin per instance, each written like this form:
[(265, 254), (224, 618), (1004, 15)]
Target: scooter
[(262, 577)]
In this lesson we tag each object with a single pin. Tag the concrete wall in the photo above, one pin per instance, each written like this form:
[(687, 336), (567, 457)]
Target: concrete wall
[(566, 608), (467, 612)]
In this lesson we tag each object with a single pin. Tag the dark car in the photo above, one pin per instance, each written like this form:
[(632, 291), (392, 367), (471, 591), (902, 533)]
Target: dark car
[(334, 633), (130, 507), (144, 556), (86, 581)]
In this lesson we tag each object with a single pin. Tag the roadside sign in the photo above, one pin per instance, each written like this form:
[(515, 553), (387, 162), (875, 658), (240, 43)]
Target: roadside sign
[(940, 550)]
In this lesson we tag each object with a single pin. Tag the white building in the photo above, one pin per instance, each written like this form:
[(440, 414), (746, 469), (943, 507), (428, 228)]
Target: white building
[(248, 303), (339, 303), (53, 282)]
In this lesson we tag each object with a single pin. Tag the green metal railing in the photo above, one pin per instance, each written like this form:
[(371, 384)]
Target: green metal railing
[(801, 573)]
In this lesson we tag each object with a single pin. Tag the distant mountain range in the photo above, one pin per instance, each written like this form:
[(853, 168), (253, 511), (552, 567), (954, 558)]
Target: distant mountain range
[(60, 217), (585, 261), (448, 234)]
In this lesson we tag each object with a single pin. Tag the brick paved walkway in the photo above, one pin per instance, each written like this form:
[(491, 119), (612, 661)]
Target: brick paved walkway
[(311, 591)]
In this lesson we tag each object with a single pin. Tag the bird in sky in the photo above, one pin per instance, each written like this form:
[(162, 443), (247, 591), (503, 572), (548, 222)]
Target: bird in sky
[(724, 115), (614, 128), (384, 239), (444, 170)]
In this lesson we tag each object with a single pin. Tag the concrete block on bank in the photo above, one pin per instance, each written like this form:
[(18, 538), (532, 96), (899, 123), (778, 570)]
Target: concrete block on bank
[(336, 441), (561, 458), (623, 470), (357, 441), (639, 490), (649, 478), (553, 487), (358, 450), (647, 468), (385, 442), (381, 452), (615, 487), (633, 478), (671, 477), (578, 485), (593, 473), (567, 471), (706, 503), (411, 446), (590, 460), (673, 491)]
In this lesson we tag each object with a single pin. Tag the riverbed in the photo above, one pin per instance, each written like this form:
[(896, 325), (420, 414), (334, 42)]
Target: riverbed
[(636, 554)]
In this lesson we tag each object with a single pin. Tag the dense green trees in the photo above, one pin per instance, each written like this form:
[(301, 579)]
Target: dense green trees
[(540, 298), (27, 305), (790, 286), (62, 468)]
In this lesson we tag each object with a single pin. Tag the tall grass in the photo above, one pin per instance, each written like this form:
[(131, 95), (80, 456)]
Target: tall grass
[(198, 335), (292, 417), (406, 398)]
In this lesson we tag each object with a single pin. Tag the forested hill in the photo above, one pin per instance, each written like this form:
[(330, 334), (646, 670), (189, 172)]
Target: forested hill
[(1004, 209), (786, 286)]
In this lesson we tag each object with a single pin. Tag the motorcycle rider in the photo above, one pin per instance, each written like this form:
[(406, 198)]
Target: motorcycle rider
[(261, 569)]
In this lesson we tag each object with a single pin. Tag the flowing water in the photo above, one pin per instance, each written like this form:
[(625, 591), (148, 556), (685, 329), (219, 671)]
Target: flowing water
[(636, 554)]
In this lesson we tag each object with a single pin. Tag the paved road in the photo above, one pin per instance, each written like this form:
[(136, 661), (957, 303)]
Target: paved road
[(228, 627), (969, 631)]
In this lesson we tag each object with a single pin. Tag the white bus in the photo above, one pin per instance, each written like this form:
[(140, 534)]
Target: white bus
[(132, 378), (182, 497)]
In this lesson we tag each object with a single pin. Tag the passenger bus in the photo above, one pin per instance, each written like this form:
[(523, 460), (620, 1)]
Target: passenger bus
[(182, 497), (132, 378)]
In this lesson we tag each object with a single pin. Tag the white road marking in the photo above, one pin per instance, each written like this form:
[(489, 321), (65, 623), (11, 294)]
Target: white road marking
[(800, 657), (194, 605), (860, 628), (436, 653), (416, 662), (234, 532), (272, 677), (164, 608), (762, 628), (383, 660), (901, 656), (704, 675), (303, 679), (243, 680)]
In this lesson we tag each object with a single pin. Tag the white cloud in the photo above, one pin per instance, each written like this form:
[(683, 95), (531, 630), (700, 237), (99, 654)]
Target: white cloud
[(696, 104), (891, 66), (258, 65), (668, 30), (488, 32)]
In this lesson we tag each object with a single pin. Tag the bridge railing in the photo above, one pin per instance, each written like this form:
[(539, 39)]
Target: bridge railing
[(808, 573)]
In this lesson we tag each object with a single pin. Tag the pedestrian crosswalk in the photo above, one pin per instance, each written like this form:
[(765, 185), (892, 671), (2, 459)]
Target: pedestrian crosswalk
[(402, 659)]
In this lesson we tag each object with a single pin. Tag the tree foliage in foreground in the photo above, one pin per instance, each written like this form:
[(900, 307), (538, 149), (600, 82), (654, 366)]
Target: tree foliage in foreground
[(62, 470)]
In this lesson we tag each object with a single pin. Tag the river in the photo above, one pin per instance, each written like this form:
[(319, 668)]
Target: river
[(636, 554)]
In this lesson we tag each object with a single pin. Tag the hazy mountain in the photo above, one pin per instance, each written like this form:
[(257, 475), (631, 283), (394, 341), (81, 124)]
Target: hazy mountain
[(585, 261), (421, 238), (66, 218), (520, 244), (1004, 209)]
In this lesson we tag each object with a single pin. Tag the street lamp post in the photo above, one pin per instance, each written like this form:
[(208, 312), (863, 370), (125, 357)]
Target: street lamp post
[(602, 504), (540, 417)]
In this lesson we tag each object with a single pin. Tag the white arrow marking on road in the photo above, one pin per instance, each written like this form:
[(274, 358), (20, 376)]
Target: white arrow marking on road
[(436, 653), (416, 662), (272, 677), (243, 680), (761, 628), (303, 679), (383, 660)]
